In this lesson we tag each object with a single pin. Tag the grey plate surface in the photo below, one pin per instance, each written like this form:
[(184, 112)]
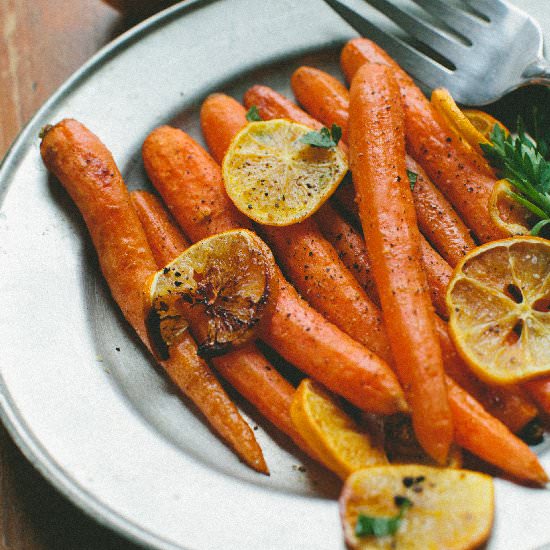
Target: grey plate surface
[(82, 399)]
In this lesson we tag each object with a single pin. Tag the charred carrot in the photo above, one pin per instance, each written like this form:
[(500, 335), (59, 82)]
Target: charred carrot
[(179, 168), (308, 259), (445, 159), (88, 172), (377, 154), (508, 404), (326, 99), (246, 369), (483, 435)]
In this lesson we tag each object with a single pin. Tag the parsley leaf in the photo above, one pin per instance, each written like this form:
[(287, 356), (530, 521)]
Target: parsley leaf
[(253, 115), (382, 526), (524, 162), (324, 138), (413, 176)]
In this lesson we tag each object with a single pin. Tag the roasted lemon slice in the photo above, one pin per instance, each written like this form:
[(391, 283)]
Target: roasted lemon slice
[(483, 122), (458, 121), (417, 508), (276, 179), (499, 308), (333, 435), (220, 287), (507, 212)]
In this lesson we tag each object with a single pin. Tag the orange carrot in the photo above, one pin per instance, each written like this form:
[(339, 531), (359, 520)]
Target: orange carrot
[(323, 96), (313, 267), (179, 168), (326, 99), (246, 369), (446, 161), (88, 172), (308, 259), (350, 247), (271, 104), (483, 435), (539, 390), (438, 272), (508, 404), (377, 153), (219, 138)]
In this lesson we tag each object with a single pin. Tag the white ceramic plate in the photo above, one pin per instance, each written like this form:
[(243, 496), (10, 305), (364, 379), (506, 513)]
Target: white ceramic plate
[(80, 396)]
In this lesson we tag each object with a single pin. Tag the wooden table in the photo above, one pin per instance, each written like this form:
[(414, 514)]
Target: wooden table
[(41, 43)]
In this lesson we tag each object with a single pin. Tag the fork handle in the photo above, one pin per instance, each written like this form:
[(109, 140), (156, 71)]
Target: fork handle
[(537, 72)]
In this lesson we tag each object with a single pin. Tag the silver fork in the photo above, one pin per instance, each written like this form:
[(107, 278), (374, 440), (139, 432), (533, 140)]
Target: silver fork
[(489, 53)]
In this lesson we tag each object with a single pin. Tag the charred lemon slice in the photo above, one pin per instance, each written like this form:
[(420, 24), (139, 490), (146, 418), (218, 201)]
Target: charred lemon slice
[(499, 308), (333, 435), (417, 508), (276, 179), (220, 287), (507, 212)]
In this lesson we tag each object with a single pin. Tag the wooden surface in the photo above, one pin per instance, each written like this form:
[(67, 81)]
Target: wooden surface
[(41, 43)]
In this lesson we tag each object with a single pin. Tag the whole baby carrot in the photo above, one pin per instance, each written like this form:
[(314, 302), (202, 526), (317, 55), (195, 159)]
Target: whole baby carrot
[(447, 162), (179, 168), (326, 99), (377, 154), (88, 172), (246, 369)]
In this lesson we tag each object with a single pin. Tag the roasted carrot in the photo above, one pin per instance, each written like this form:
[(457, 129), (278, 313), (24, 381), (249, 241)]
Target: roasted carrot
[(539, 390), (323, 96), (377, 155), (271, 104), (508, 404), (326, 99), (88, 172), (349, 246), (313, 267), (446, 161), (438, 274), (483, 435), (179, 168), (307, 258), (246, 369), (218, 138)]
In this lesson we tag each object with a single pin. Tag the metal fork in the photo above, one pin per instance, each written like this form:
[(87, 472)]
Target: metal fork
[(490, 51)]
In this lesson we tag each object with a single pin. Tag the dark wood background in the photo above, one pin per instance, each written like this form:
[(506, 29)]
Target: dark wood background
[(41, 43)]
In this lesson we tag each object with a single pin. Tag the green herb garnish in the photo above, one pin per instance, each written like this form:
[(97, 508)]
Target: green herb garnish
[(382, 526), (413, 176), (253, 115), (525, 163), (324, 138)]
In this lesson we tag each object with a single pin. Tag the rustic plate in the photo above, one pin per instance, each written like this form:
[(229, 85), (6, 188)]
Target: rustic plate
[(80, 396)]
